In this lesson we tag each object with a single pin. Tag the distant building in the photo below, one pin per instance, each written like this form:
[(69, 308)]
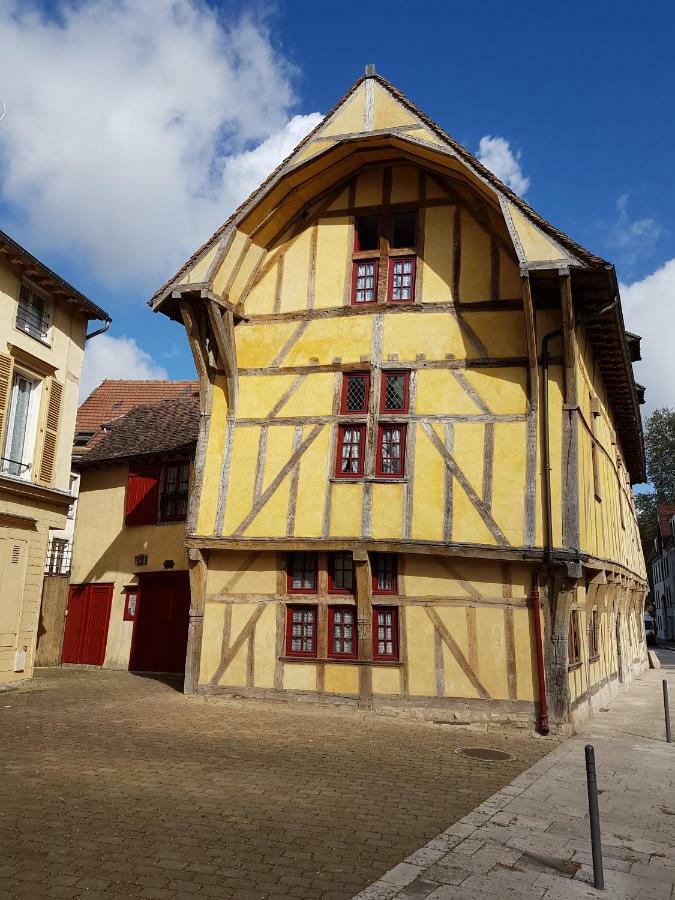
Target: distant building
[(43, 332), (663, 573)]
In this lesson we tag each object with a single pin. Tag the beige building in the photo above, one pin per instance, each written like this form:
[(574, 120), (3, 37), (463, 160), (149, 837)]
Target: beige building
[(43, 331)]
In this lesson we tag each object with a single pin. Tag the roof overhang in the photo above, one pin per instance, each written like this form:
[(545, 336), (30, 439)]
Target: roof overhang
[(31, 267)]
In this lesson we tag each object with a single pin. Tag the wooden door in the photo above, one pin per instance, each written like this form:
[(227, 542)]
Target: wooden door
[(87, 620), (160, 630)]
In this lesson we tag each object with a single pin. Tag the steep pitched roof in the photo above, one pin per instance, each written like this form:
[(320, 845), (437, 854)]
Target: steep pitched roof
[(357, 114), (163, 427)]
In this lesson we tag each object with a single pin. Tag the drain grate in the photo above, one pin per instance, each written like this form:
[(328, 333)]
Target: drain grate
[(485, 754)]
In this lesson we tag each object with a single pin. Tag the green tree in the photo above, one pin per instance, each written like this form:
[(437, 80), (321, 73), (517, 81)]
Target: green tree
[(645, 507), (660, 447)]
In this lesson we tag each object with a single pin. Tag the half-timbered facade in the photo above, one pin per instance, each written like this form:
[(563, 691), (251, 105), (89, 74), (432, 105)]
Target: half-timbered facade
[(394, 351)]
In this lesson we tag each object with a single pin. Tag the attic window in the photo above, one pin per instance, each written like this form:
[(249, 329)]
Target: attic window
[(367, 233), (403, 230), (82, 438)]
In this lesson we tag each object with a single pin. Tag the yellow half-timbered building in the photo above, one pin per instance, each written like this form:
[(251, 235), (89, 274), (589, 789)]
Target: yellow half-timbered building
[(419, 430)]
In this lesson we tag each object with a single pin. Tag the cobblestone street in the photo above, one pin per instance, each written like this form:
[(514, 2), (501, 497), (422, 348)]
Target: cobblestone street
[(115, 785)]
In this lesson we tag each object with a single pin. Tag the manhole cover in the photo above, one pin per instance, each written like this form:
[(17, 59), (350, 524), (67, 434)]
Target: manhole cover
[(484, 753)]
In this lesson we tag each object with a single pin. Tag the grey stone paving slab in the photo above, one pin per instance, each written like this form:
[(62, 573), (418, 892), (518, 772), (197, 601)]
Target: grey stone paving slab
[(531, 839)]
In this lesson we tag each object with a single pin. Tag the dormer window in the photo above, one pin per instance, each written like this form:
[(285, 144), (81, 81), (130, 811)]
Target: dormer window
[(82, 438), (34, 313), (392, 239)]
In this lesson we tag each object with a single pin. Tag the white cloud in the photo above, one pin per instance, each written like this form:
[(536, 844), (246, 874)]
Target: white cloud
[(115, 357), (129, 126), (632, 238), (496, 154), (649, 309)]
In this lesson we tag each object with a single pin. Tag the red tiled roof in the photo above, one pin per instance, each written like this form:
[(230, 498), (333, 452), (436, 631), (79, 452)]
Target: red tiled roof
[(664, 512), (113, 398)]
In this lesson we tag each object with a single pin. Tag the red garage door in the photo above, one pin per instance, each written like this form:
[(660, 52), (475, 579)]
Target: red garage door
[(87, 619), (161, 626)]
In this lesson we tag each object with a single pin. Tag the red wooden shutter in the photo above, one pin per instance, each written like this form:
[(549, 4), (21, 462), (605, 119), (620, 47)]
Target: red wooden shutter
[(142, 494)]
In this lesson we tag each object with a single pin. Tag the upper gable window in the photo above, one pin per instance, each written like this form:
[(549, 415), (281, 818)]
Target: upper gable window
[(403, 231), (364, 285), (366, 233), (34, 313), (401, 279)]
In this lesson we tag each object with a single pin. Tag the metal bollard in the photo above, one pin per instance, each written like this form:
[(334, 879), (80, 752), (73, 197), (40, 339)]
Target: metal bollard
[(666, 710), (594, 815)]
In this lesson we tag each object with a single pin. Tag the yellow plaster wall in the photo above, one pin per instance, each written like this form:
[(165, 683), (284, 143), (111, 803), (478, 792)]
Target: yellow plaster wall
[(603, 534)]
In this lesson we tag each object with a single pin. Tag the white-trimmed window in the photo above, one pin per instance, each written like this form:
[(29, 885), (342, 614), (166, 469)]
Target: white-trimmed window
[(34, 314), (17, 454)]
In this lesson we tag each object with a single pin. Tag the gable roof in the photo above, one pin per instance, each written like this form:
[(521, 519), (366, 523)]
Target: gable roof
[(45, 278), (164, 427), (415, 127), (374, 115)]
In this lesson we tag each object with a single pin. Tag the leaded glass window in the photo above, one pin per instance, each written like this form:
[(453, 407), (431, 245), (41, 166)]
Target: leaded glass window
[(395, 391), (355, 387)]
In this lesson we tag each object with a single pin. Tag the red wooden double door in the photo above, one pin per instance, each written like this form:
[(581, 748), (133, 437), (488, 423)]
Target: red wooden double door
[(159, 639)]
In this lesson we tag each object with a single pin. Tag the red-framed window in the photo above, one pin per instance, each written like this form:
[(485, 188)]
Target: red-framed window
[(401, 279), (350, 449), (173, 501), (395, 392), (341, 573), (142, 496), (364, 281), (390, 451), (342, 638), (385, 632), (385, 573), (355, 392), (301, 630), (574, 640), (301, 573)]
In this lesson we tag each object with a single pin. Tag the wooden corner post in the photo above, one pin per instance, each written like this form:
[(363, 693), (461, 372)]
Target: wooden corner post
[(364, 615), (198, 571)]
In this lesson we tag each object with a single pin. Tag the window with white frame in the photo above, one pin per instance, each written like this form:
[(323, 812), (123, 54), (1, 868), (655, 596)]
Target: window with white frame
[(17, 454), (34, 313)]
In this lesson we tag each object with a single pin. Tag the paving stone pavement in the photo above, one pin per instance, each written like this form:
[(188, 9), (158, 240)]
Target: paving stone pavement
[(114, 785), (531, 838)]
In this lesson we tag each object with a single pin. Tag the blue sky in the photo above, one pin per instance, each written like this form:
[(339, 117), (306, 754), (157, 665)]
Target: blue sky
[(119, 156)]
